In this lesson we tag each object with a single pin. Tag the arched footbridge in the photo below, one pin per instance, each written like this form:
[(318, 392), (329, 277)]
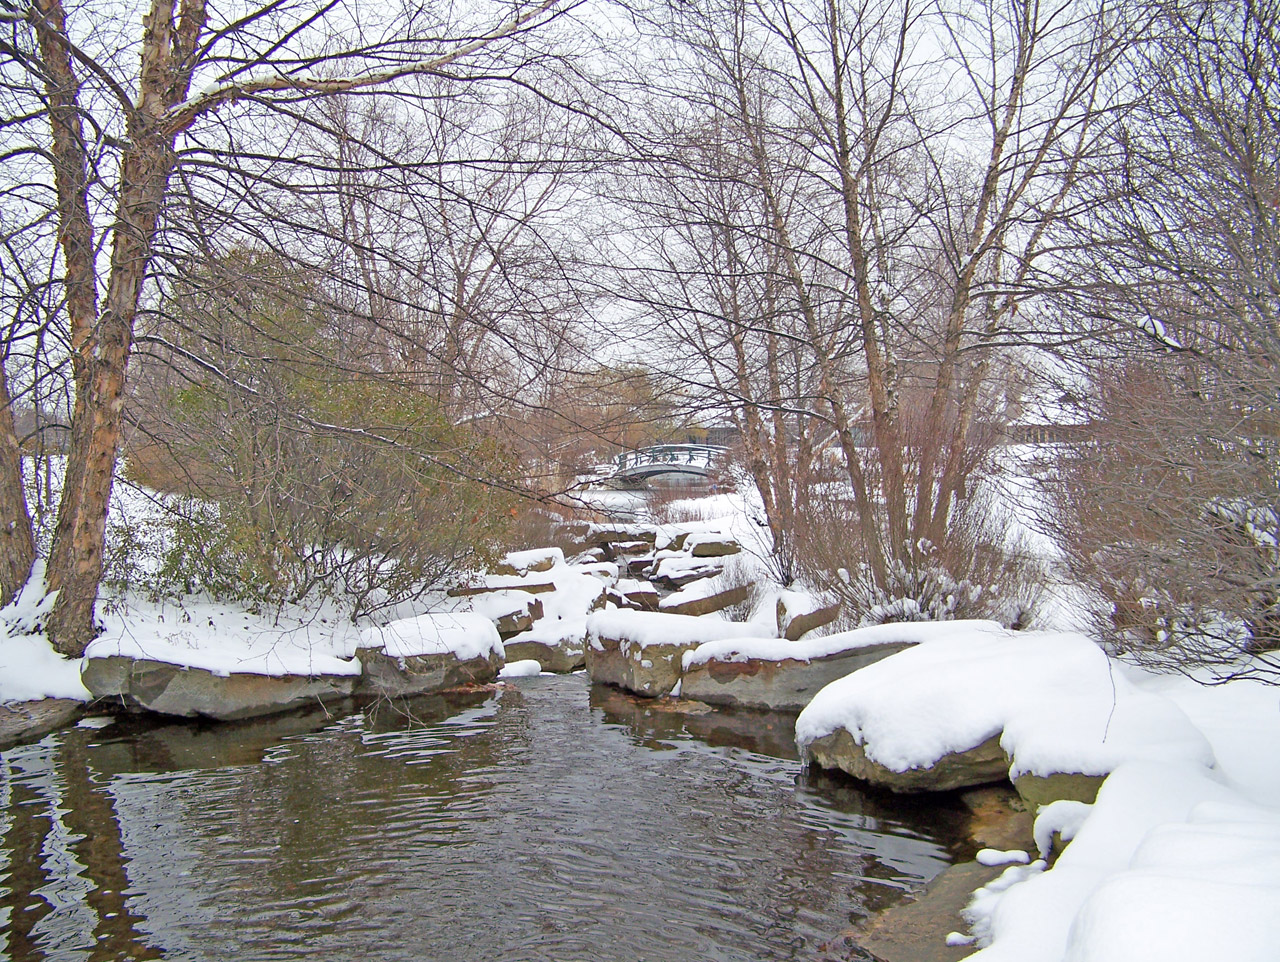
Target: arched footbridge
[(670, 463)]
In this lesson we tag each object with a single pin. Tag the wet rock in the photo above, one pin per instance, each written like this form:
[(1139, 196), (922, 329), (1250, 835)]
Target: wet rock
[(31, 720), (778, 684), (642, 651), (980, 765), (417, 674), (648, 670), (174, 690)]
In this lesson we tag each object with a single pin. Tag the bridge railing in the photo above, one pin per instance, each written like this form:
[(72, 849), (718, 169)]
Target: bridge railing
[(700, 455)]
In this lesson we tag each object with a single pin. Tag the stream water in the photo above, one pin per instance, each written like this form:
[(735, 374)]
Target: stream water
[(548, 820)]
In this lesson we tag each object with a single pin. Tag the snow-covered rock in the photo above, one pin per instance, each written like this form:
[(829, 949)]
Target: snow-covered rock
[(704, 597), (428, 653), (641, 651), (1050, 701), (188, 690), (783, 675), (799, 612)]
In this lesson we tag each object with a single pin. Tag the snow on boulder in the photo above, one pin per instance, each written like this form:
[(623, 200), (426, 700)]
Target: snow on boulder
[(969, 706), (428, 653), (523, 562), (781, 675), (232, 681), (641, 651)]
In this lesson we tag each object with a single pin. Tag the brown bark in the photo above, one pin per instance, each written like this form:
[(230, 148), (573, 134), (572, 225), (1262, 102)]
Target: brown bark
[(17, 542), (75, 562)]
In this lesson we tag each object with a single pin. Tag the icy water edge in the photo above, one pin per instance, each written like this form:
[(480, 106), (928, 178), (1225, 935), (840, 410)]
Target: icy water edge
[(549, 820)]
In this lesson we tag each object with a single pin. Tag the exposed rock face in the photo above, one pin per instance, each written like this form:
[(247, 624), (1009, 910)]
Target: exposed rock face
[(793, 624), (566, 655), (977, 766), (702, 603), (786, 684), (518, 620), (415, 674), (650, 670), (1042, 789), (675, 573), (174, 690)]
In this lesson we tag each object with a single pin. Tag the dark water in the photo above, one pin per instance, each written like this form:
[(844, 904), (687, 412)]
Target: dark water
[(548, 821)]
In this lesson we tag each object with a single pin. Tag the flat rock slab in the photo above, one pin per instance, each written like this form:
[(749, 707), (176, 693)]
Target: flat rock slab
[(687, 602), (785, 684), (187, 692), (714, 548), (979, 765), (419, 674), (26, 721)]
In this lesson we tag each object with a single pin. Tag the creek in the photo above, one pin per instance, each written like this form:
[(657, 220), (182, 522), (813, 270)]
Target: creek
[(542, 820)]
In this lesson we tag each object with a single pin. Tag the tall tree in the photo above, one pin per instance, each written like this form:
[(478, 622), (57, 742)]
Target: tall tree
[(114, 133)]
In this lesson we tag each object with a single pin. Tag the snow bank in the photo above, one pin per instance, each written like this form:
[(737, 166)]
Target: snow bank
[(779, 649), (1168, 866), (29, 667), (644, 628), (1055, 697), (463, 634)]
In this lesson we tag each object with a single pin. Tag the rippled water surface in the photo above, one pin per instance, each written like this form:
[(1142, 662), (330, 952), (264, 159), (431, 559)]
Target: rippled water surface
[(546, 821)]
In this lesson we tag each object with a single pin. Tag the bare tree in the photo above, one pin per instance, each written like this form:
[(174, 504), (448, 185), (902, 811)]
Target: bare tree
[(1170, 506), (909, 163), (115, 129)]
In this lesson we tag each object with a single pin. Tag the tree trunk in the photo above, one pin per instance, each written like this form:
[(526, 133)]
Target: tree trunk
[(97, 425), (17, 541)]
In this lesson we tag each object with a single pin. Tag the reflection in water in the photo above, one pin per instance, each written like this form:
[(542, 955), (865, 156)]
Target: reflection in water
[(550, 821)]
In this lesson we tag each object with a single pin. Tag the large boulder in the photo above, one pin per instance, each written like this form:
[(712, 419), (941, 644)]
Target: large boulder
[(429, 653), (386, 674), (972, 702), (642, 651), (984, 763), (185, 690), (774, 674)]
